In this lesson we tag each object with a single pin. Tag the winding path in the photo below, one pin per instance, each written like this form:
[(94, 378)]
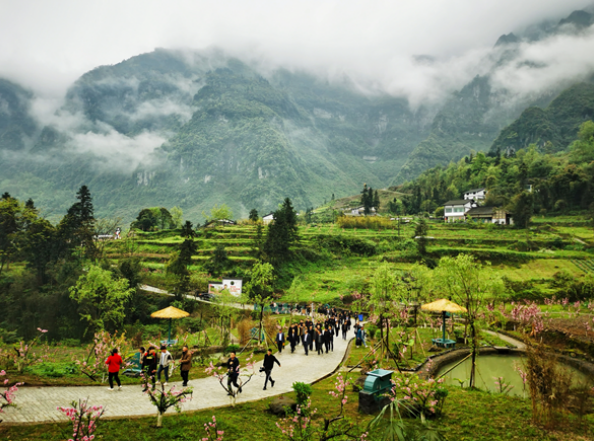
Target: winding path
[(38, 404)]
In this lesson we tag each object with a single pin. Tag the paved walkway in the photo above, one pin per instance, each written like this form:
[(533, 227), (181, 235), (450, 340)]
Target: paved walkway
[(510, 340), (38, 404)]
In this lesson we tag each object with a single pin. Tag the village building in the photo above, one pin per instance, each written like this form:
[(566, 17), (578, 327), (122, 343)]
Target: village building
[(234, 286), (359, 211), (476, 194), (455, 211), (268, 218), (489, 215)]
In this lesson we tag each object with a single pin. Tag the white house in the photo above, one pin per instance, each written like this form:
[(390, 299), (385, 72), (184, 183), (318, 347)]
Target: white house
[(455, 211), (360, 211), (234, 286), (476, 194), (268, 218)]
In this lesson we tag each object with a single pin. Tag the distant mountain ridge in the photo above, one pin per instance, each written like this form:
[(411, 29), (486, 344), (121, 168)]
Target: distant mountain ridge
[(194, 129)]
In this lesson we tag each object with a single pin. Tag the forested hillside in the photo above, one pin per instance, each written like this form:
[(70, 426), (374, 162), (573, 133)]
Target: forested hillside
[(473, 117), (197, 128), (525, 182)]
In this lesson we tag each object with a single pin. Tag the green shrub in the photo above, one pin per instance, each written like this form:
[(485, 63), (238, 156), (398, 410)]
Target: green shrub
[(231, 348), (340, 244), (302, 392), (52, 369)]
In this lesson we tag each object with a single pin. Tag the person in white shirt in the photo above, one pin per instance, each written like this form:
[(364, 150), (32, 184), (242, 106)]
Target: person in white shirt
[(164, 360)]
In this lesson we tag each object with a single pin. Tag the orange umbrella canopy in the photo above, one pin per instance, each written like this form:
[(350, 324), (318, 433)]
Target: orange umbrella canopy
[(170, 313), (441, 305)]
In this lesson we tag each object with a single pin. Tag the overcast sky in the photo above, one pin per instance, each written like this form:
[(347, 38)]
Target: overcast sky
[(47, 44)]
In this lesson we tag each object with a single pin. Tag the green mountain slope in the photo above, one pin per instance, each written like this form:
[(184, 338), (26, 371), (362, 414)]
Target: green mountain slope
[(473, 117), (552, 128), (230, 136)]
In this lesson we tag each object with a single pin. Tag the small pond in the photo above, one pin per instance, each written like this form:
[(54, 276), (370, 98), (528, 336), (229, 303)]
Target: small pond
[(489, 367)]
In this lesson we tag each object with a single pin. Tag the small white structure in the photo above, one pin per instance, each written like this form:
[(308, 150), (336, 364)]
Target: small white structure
[(476, 194), (268, 218), (360, 211), (232, 285), (455, 211)]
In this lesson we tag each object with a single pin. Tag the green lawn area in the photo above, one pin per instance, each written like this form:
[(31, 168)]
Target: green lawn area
[(468, 415)]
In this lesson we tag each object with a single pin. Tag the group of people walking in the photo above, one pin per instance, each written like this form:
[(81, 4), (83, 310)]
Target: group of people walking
[(318, 335), (152, 365), (310, 334)]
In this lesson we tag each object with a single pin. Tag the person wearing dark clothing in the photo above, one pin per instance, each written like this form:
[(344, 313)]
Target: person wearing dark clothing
[(293, 337), (327, 337), (269, 361), (149, 366), (318, 340), (233, 372), (331, 339), (344, 330), (306, 339), (336, 326), (185, 364), (310, 331), (280, 340), (114, 364)]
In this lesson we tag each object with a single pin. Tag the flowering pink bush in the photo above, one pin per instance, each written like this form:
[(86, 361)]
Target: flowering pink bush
[(23, 355), (420, 397), (84, 419), (245, 375), (164, 399), (212, 432), (299, 425), (103, 343), (7, 395), (530, 316)]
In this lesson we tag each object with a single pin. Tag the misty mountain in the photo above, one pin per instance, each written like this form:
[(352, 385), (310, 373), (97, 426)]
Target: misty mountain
[(198, 128), (171, 128), (474, 116), (16, 124), (552, 128)]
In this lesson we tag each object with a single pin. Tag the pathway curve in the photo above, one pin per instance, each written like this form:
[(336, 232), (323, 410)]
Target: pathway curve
[(512, 341), (38, 404)]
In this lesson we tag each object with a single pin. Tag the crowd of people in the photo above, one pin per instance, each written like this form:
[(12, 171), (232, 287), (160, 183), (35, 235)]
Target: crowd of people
[(313, 334)]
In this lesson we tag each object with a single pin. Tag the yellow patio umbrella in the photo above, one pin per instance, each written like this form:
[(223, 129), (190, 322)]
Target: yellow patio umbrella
[(444, 306), (170, 313)]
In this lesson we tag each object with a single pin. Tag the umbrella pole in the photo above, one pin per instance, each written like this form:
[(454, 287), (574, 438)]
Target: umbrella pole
[(169, 334), (444, 326)]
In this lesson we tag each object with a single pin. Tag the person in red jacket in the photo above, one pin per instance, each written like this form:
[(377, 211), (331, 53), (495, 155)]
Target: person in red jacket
[(114, 364)]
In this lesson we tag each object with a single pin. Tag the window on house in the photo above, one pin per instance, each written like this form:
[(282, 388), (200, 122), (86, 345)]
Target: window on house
[(448, 210)]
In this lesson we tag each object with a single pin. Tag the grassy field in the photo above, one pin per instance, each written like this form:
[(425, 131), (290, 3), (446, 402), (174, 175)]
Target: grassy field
[(467, 415)]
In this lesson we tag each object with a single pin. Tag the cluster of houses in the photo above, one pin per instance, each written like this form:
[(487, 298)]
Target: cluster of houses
[(469, 208)]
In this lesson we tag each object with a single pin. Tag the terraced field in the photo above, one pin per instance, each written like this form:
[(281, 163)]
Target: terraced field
[(547, 248)]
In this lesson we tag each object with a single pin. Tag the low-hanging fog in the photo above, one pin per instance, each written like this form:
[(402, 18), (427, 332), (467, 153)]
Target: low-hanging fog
[(421, 49)]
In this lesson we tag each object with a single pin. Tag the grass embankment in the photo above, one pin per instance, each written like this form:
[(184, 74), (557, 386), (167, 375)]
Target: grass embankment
[(468, 415)]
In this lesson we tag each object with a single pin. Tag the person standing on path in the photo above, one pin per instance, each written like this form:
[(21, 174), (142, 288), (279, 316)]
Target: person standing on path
[(149, 366), (293, 337), (185, 364), (280, 340), (164, 359), (269, 361), (233, 373), (114, 364), (344, 330), (306, 339)]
